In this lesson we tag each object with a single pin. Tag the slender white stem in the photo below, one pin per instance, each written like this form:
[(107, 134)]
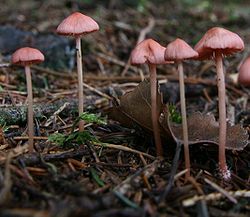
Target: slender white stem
[(184, 118), (154, 111), (222, 112), (30, 109), (80, 81)]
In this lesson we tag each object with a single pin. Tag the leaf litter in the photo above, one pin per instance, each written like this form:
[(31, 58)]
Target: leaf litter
[(80, 180), (134, 108)]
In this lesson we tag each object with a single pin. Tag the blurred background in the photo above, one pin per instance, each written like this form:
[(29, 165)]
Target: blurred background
[(33, 23)]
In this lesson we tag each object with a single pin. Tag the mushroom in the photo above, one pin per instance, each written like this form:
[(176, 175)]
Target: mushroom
[(217, 43), (152, 53), (177, 51), (244, 73), (27, 56), (77, 25)]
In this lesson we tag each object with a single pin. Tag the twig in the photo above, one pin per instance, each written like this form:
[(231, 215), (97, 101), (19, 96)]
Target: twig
[(4, 65), (143, 160), (55, 73), (25, 171), (125, 78), (147, 171), (124, 148), (202, 206), (77, 163), (172, 173), (214, 196), (196, 185), (4, 146), (221, 190), (180, 174), (189, 80), (97, 91), (146, 30), (26, 138), (111, 164), (57, 112), (95, 155), (8, 85), (114, 61)]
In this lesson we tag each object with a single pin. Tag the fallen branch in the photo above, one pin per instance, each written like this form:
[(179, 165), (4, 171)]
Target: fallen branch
[(17, 115)]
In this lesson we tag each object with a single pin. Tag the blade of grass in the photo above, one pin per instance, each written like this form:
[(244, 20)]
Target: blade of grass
[(96, 177)]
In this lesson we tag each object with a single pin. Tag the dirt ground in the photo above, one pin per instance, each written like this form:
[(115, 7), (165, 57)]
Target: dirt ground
[(112, 168)]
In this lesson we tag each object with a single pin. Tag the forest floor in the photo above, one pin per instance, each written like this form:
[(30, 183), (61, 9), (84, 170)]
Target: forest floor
[(111, 169)]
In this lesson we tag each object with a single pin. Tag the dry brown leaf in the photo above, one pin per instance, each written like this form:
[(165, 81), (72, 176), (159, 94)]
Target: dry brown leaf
[(135, 107), (205, 129)]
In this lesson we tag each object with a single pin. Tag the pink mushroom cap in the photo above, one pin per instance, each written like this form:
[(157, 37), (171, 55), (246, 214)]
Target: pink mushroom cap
[(77, 24), (218, 39), (179, 50), (148, 51), (244, 73), (27, 56)]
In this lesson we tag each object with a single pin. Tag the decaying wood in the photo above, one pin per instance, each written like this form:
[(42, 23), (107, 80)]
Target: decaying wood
[(17, 115)]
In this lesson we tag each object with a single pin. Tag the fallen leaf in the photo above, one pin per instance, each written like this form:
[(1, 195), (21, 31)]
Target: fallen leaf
[(205, 129), (135, 108)]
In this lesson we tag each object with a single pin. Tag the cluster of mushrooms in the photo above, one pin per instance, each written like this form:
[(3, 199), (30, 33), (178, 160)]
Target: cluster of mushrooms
[(215, 44), (75, 25)]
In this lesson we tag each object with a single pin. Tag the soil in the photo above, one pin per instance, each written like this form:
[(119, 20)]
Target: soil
[(112, 168)]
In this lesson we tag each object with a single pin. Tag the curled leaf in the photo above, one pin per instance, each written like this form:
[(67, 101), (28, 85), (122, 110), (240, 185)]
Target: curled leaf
[(205, 129)]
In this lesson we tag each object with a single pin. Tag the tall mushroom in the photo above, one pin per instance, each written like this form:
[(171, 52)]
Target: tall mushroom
[(244, 73), (217, 43), (77, 25), (177, 51), (152, 53), (27, 56)]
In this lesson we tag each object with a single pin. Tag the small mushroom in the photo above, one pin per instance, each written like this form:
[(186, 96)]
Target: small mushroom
[(217, 43), (151, 53), (177, 51), (244, 73), (78, 25), (27, 56)]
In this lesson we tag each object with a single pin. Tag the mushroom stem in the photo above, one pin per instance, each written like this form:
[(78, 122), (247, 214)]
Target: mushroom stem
[(184, 118), (222, 114), (154, 112), (80, 81), (30, 108)]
